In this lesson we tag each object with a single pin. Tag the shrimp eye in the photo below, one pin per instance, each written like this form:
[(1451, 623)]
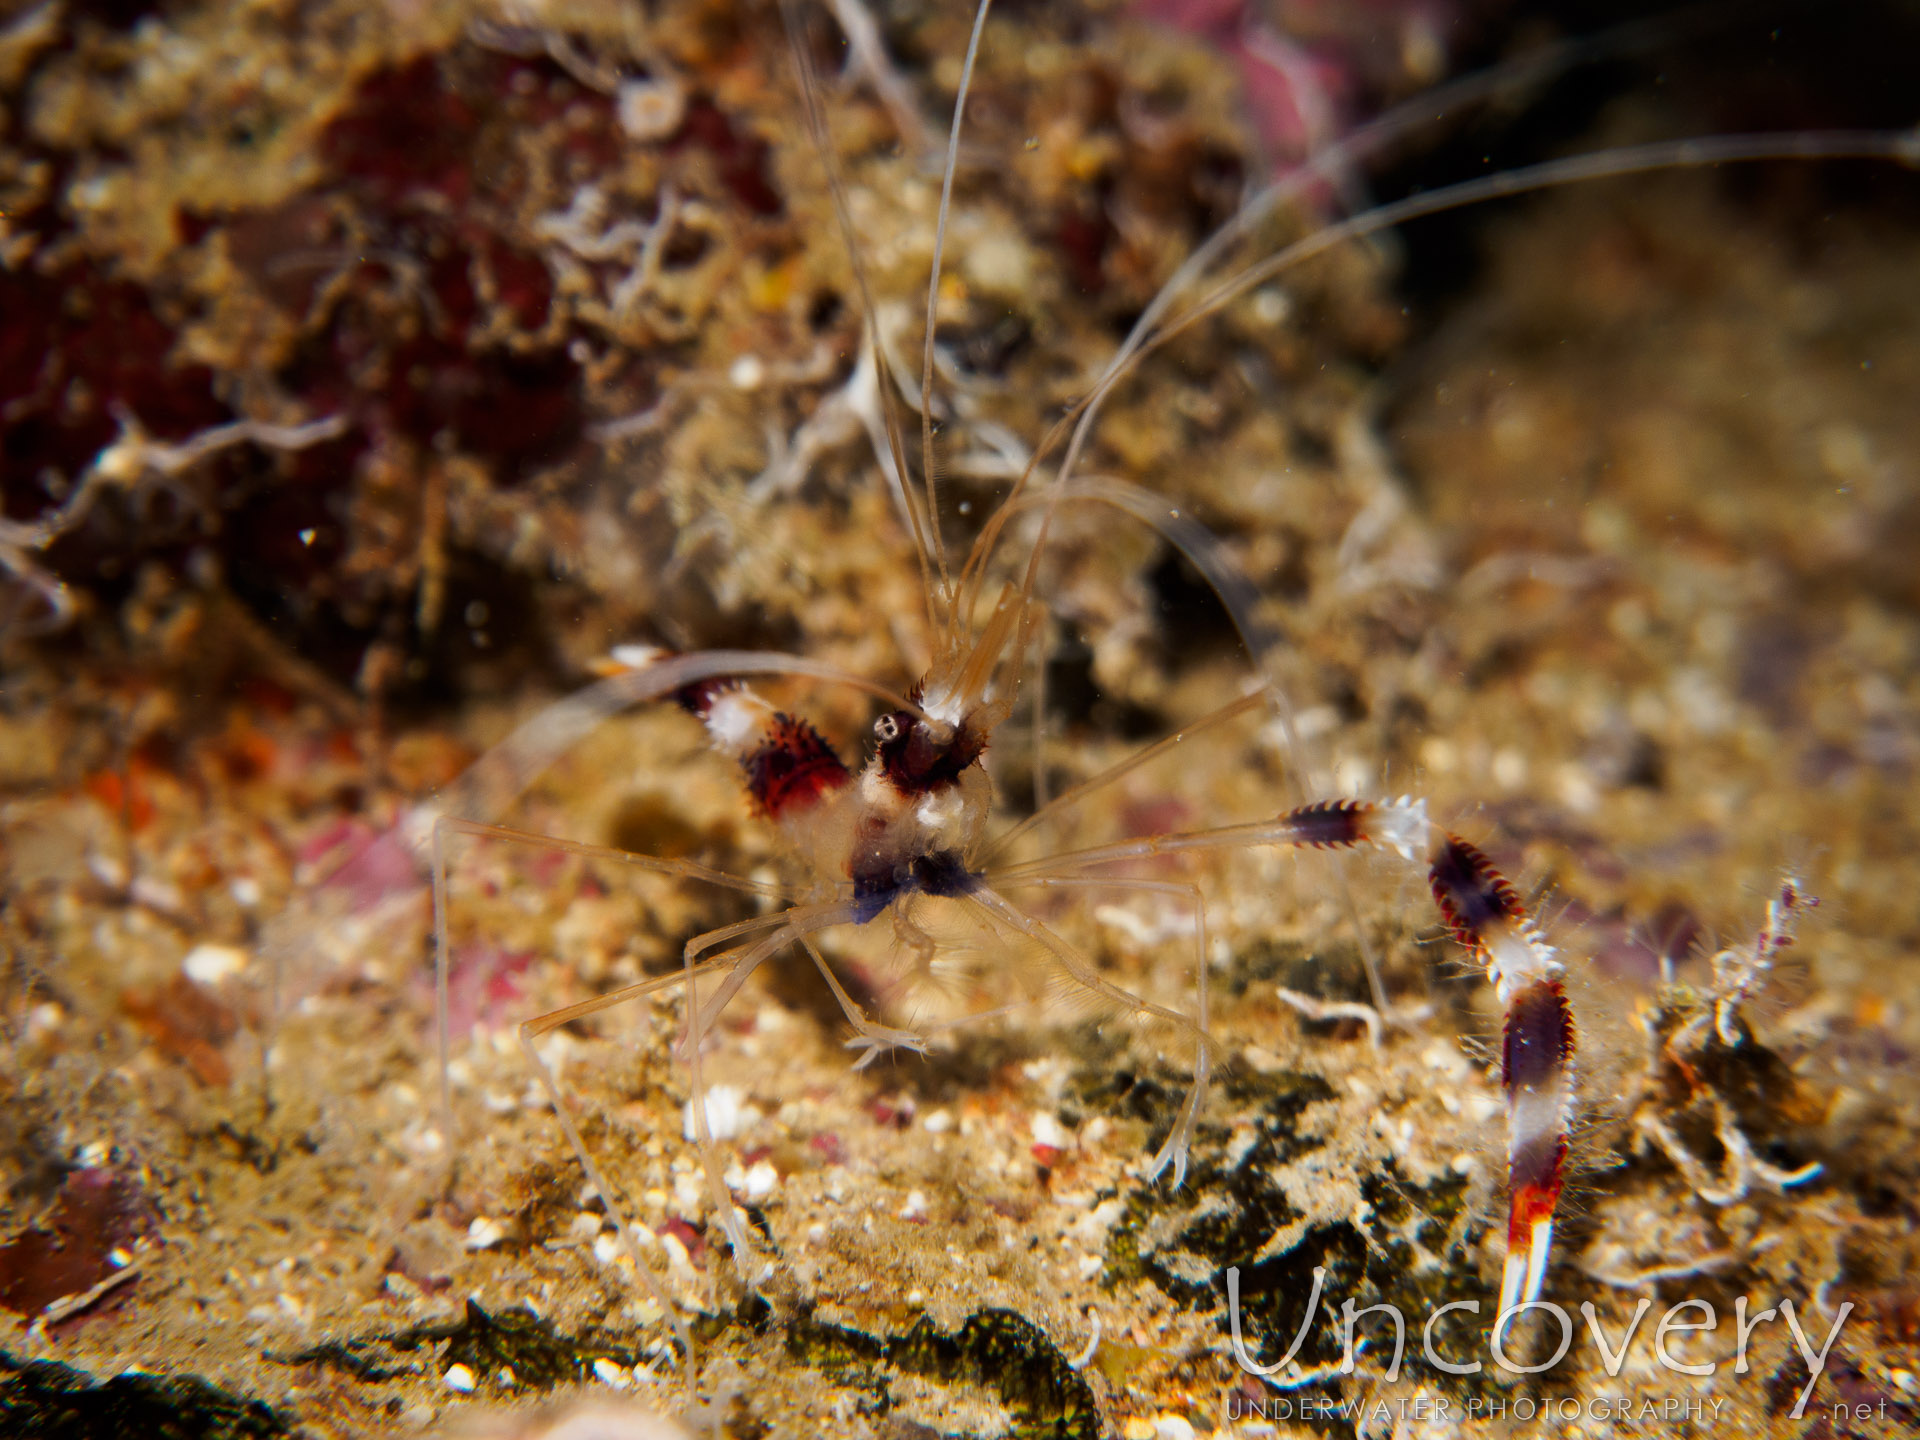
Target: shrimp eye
[(919, 757)]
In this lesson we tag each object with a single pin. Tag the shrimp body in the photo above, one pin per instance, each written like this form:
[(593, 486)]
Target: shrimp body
[(914, 817)]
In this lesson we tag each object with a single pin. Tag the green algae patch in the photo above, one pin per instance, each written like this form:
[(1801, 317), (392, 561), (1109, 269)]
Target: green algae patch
[(45, 1400), (487, 1342), (1000, 1350), (1406, 1247), (1229, 1206)]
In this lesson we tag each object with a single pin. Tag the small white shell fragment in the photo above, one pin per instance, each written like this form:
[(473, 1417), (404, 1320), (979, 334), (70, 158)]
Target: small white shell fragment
[(1509, 769), (916, 1206), (1049, 1131), (485, 1233), (1000, 263), (1090, 1230), (726, 1115), (209, 964), (156, 894), (584, 1226), (607, 1372), (606, 1249), (43, 1020), (939, 1122), (1172, 1427), (1262, 1061), (459, 1377), (677, 1257), (1271, 307), (689, 1197), (760, 1181), (651, 109)]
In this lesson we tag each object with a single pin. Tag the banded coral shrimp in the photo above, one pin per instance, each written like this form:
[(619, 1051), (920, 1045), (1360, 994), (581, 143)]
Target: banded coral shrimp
[(1476, 901), (988, 1103)]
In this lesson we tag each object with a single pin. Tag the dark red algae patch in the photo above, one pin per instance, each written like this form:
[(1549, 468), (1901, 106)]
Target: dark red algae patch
[(431, 260), (742, 160), (404, 134), (99, 1210), (422, 313), (407, 294), (78, 349)]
